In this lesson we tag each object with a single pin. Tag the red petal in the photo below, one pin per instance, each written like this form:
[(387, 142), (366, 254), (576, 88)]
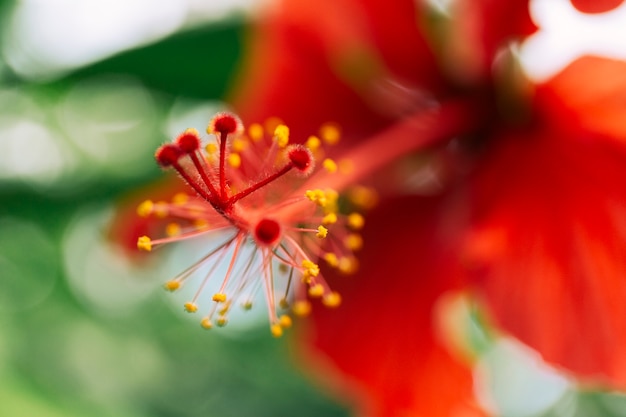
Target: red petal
[(549, 247), (589, 95), (381, 339), (596, 6), (313, 62)]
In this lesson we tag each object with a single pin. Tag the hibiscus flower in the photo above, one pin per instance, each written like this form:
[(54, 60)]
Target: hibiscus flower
[(525, 207)]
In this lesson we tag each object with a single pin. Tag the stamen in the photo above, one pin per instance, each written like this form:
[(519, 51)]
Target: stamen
[(285, 229)]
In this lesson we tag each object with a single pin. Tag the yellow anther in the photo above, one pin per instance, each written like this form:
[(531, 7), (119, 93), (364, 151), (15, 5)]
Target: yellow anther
[(316, 291), (331, 195), (247, 305), (206, 323), (239, 144), (276, 330), (313, 143), (281, 135), (200, 224), (311, 269), (329, 165), (356, 221), (330, 218), (172, 229), (363, 197), (348, 265), (192, 131), (211, 148), (219, 297), (322, 232), (224, 309), (172, 285), (332, 299), (353, 241), (317, 196), (301, 308), (285, 321), (330, 133), (160, 209), (180, 198), (191, 307), (234, 160), (255, 131), (331, 259), (145, 209), (283, 303), (221, 321), (144, 243)]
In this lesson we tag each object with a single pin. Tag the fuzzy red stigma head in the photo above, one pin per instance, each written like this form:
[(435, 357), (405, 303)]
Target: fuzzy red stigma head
[(188, 141), (225, 124), (301, 158), (168, 155), (267, 232)]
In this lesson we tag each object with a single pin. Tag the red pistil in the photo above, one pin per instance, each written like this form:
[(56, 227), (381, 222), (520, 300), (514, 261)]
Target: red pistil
[(301, 158), (267, 231), (210, 185), (167, 155)]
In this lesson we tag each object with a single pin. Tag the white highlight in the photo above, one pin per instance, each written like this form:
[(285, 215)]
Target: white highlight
[(566, 34)]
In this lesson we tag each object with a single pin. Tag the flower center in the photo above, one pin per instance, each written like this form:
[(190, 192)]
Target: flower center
[(267, 232)]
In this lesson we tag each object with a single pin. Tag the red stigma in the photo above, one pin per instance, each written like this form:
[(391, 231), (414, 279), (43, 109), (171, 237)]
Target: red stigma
[(301, 158), (225, 123), (267, 231), (188, 141), (167, 155)]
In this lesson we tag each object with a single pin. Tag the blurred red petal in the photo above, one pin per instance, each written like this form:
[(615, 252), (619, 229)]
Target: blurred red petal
[(381, 341), (589, 95), (596, 6), (549, 247), (312, 62)]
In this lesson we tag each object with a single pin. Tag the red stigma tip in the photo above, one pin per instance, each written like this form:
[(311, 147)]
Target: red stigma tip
[(301, 158), (225, 123), (188, 142), (167, 155), (267, 232)]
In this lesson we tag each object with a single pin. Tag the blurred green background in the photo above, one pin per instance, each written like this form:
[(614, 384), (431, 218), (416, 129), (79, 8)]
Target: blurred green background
[(88, 90)]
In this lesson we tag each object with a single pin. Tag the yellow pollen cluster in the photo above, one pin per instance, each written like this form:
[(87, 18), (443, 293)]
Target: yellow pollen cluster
[(255, 131), (313, 143), (191, 307), (330, 133), (301, 308), (172, 285), (219, 297), (356, 221), (316, 291), (180, 199), (330, 218), (329, 165), (172, 229), (144, 243), (145, 209), (322, 232), (281, 136), (320, 197), (234, 160), (332, 299), (310, 269), (331, 259), (353, 242)]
